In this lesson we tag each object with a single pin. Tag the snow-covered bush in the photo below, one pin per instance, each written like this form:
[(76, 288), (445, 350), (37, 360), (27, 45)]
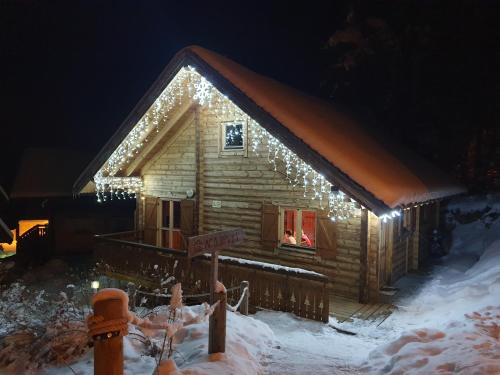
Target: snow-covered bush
[(39, 329)]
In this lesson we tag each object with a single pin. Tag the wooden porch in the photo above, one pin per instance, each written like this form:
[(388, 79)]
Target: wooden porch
[(125, 256), (346, 310)]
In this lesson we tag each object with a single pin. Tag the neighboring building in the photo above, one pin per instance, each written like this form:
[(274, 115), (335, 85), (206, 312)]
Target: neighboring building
[(49, 220), (213, 145)]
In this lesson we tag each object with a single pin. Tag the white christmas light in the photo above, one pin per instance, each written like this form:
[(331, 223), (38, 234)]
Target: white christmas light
[(188, 84)]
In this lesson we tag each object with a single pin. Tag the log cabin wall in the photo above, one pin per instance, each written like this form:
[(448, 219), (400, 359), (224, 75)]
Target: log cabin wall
[(242, 185), (405, 242), (399, 249), (172, 171)]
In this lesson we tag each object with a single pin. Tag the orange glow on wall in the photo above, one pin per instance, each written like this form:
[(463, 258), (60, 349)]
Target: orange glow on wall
[(25, 225)]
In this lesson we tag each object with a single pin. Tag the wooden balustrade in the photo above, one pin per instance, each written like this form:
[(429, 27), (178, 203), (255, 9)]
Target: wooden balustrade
[(304, 294), (34, 238)]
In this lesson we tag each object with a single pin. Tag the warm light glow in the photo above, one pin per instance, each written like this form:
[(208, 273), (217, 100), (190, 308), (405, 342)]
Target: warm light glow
[(10, 247), (95, 285), (26, 225)]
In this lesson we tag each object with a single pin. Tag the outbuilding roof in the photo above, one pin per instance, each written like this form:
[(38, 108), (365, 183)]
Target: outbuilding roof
[(379, 177), (47, 172)]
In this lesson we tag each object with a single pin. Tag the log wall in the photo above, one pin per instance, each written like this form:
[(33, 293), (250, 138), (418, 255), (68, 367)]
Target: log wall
[(243, 183)]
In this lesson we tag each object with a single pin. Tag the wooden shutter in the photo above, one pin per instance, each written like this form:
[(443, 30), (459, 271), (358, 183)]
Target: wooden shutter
[(151, 220), (326, 238), (187, 217), (269, 233)]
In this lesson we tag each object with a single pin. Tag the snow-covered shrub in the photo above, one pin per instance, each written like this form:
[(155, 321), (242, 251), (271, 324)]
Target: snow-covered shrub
[(39, 330)]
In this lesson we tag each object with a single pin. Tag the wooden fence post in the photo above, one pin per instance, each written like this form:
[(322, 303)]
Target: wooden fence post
[(244, 302), (217, 326), (131, 291), (107, 327)]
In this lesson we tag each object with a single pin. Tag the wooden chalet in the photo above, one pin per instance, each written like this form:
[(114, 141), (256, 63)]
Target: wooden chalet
[(213, 145)]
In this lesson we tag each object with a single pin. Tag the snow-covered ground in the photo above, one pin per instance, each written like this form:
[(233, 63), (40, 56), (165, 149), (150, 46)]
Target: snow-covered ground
[(451, 325), (246, 342)]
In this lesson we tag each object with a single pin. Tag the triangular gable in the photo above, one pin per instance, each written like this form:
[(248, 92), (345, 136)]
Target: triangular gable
[(331, 143)]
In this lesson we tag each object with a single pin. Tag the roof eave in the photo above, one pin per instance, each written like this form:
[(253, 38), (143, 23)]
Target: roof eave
[(266, 120), (132, 119)]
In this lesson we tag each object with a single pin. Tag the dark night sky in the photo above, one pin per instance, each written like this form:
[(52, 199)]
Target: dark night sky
[(71, 73), (72, 70)]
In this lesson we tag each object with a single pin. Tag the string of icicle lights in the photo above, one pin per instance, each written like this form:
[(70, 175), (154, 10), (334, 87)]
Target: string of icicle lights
[(188, 84)]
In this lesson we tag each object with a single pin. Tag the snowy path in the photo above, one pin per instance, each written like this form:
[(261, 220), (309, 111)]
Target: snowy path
[(448, 320), (308, 347), (285, 361)]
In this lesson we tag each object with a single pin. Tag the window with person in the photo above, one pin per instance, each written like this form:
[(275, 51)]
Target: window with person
[(298, 228)]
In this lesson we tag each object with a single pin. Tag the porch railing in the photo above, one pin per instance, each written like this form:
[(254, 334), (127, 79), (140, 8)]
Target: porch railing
[(271, 287), (33, 237)]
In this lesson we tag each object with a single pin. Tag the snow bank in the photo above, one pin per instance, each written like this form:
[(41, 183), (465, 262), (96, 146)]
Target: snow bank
[(456, 316), (271, 266), (247, 341)]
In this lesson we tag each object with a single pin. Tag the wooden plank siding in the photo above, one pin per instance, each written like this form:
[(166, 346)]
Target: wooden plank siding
[(173, 170), (243, 183)]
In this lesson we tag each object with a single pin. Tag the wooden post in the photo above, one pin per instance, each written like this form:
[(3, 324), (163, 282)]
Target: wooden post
[(132, 290), (108, 347), (363, 258), (217, 326), (214, 275), (212, 243), (244, 303)]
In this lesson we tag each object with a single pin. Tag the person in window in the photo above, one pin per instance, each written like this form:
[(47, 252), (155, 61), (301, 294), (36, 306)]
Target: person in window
[(288, 238), (305, 241)]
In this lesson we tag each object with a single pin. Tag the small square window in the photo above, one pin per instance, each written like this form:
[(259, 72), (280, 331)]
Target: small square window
[(233, 138)]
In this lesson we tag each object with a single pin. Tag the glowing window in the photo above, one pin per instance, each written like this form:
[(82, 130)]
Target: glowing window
[(298, 228)]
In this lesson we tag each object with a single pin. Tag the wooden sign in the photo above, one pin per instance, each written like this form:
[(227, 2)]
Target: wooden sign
[(212, 242)]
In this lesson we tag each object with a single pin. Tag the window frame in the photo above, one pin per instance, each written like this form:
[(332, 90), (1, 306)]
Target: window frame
[(298, 225), (170, 229), (223, 151)]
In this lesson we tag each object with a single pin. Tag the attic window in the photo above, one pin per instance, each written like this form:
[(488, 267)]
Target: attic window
[(233, 136)]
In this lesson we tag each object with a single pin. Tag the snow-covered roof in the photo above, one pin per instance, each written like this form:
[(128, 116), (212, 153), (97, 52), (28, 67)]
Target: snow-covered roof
[(46, 172), (333, 143)]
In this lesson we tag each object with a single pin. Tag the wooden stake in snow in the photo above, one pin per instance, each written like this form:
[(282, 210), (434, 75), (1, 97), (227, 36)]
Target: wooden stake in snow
[(212, 243), (107, 327)]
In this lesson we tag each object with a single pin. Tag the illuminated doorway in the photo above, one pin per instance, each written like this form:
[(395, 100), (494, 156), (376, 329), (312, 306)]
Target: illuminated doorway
[(169, 222)]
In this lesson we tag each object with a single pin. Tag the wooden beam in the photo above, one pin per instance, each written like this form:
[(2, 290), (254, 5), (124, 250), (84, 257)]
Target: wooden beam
[(141, 158), (363, 259), (132, 119), (176, 133)]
